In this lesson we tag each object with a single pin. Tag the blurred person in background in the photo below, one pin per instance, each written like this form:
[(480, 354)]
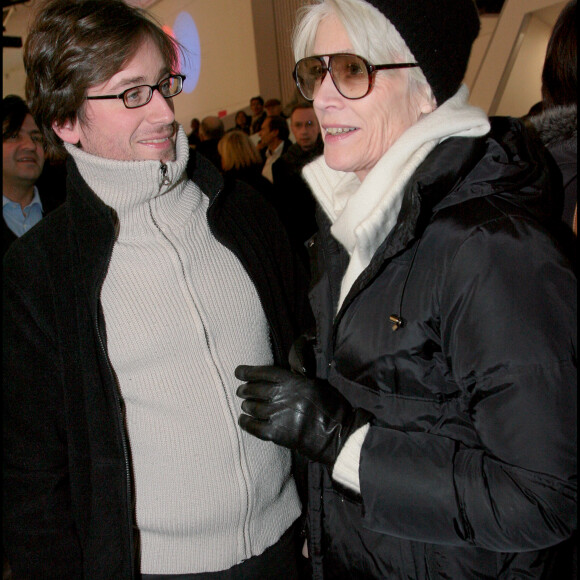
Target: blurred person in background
[(26, 197), (273, 108), (242, 122), (193, 137), (294, 200), (258, 114), (211, 130), (274, 142), (241, 160)]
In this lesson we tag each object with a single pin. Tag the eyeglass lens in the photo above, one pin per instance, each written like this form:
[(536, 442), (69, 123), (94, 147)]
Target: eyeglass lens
[(141, 95), (349, 74)]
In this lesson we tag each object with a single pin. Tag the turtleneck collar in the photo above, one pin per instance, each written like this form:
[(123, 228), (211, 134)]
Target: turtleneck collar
[(130, 187), (124, 183)]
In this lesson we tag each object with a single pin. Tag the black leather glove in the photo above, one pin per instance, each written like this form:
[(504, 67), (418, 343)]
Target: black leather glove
[(308, 415)]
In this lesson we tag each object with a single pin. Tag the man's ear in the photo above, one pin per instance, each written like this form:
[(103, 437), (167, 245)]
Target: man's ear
[(67, 131)]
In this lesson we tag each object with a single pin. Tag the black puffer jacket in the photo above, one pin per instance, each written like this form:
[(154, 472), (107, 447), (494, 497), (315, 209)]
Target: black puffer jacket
[(469, 470)]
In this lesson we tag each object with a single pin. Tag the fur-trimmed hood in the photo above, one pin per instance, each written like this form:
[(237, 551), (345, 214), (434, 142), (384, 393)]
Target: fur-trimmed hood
[(556, 124)]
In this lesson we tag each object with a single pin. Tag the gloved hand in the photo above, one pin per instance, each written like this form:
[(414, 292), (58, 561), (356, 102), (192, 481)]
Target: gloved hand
[(308, 415)]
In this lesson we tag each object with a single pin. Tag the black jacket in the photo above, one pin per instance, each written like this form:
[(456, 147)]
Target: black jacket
[(469, 469), (252, 175), (293, 199), (557, 128), (209, 149), (68, 507)]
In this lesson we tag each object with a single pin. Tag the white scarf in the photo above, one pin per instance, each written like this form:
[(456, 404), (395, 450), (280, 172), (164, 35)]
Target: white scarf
[(363, 214)]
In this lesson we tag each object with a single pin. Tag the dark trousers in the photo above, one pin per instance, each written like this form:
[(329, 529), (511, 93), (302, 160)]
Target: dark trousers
[(278, 562)]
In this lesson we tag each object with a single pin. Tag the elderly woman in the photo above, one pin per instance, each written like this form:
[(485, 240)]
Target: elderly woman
[(439, 418)]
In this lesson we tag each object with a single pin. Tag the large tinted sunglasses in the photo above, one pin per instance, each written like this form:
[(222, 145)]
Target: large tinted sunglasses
[(352, 75)]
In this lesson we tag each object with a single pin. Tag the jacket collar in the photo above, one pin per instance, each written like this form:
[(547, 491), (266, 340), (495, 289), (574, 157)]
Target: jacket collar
[(556, 124), (364, 213), (124, 185), (205, 175), (507, 163)]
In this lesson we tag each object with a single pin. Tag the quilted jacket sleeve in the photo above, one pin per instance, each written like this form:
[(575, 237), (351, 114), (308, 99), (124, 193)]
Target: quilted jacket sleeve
[(508, 326)]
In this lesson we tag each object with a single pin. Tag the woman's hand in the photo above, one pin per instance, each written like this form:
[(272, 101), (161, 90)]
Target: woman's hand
[(307, 415)]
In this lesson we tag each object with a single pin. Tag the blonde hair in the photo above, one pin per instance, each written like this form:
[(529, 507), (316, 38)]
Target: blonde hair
[(237, 151), (373, 36)]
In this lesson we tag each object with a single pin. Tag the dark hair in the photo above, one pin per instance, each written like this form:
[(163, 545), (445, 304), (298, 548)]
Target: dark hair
[(14, 111), (73, 45), (245, 126), (559, 74), (301, 105), (259, 99), (278, 123)]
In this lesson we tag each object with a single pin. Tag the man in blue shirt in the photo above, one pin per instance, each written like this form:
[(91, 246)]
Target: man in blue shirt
[(23, 206)]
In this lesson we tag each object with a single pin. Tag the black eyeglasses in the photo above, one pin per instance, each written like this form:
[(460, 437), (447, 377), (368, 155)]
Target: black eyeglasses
[(352, 75), (139, 96)]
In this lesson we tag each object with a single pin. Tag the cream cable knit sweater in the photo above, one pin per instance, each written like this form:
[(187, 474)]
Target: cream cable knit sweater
[(181, 313)]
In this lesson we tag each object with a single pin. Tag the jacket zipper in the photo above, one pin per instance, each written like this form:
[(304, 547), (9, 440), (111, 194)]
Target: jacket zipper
[(166, 181), (247, 543)]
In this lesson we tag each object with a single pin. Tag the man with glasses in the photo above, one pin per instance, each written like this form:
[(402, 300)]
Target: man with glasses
[(123, 457)]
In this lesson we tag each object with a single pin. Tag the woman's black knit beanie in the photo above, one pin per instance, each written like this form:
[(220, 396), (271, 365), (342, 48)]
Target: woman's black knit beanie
[(439, 33)]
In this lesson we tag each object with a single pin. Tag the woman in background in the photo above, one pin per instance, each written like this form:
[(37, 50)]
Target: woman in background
[(241, 160), (242, 122)]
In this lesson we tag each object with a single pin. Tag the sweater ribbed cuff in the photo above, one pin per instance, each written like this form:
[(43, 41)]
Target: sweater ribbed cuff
[(346, 467)]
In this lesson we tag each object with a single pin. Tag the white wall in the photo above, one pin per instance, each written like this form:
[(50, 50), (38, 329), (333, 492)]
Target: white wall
[(13, 76), (479, 48), (523, 87), (505, 75), (228, 77)]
